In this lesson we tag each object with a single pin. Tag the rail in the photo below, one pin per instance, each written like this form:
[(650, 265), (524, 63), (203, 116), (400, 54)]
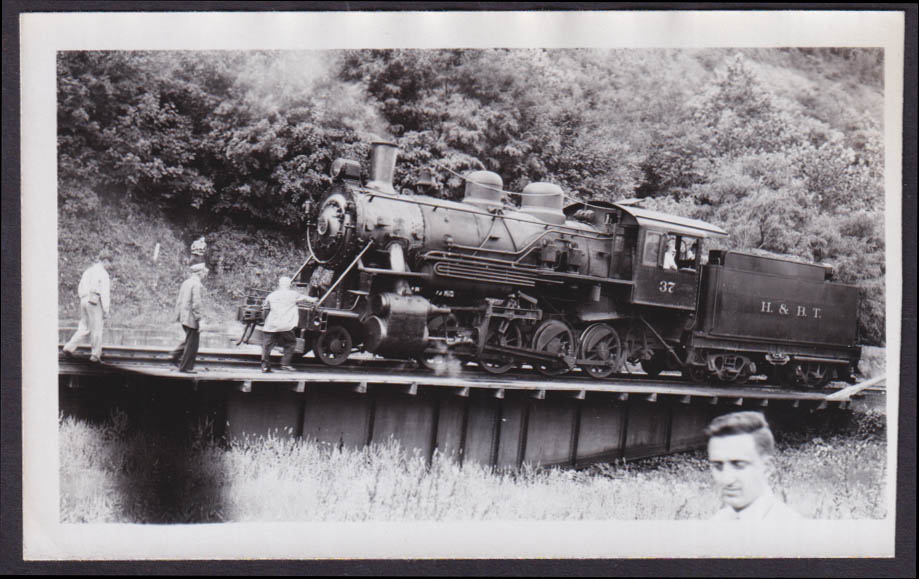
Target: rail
[(236, 366)]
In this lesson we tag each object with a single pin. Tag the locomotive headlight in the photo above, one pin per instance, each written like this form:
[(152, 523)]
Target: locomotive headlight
[(329, 222), (330, 236)]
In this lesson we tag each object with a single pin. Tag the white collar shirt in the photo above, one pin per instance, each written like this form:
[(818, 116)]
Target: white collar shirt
[(764, 508)]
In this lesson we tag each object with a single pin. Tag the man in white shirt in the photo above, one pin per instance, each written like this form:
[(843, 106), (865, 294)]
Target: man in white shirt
[(670, 254), (283, 316), (741, 452), (95, 296)]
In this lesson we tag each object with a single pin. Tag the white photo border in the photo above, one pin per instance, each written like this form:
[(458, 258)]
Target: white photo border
[(43, 35)]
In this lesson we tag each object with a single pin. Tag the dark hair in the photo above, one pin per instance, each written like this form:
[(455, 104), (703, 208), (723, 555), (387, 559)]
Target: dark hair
[(752, 423)]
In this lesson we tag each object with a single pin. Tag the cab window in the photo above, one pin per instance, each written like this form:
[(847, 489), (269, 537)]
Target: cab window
[(652, 248), (689, 251)]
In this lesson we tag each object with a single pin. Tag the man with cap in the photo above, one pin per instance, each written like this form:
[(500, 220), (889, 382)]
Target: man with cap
[(95, 294), (281, 319), (741, 455), (188, 312)]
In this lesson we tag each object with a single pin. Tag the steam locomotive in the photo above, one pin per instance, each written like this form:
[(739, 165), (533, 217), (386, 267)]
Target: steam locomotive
[(584, 287)]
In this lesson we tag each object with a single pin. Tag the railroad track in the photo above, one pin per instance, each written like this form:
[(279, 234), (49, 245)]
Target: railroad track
[(228, 359), (244, 367)]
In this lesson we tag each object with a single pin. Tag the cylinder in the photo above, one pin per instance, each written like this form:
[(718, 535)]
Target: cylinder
[(543, 201), (382, 166), (399, 326), (485, 190)]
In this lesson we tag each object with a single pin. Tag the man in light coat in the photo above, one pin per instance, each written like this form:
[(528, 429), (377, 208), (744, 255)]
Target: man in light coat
[(188, 312), (283, 316), (95, 296)]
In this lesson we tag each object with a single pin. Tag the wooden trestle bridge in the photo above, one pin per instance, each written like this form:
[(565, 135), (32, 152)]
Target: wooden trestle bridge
[(504, 421)]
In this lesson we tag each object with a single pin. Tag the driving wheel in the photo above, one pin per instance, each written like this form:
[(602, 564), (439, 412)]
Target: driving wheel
[(554, 337), (600, 344)]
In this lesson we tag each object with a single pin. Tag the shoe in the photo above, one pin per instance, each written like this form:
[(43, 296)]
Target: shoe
[(288, 368), (94, 359), (67, 355), (265, 369)]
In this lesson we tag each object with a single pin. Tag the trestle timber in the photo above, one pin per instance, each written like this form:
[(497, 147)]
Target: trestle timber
[(500, 421)]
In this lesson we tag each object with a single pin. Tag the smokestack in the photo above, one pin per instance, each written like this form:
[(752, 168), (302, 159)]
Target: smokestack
[(382, 166)]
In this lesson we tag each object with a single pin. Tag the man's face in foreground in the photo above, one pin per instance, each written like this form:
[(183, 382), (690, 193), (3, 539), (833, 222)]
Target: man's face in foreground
[(741, 474)]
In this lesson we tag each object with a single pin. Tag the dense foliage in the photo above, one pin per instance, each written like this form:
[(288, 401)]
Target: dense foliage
[(781, 147)]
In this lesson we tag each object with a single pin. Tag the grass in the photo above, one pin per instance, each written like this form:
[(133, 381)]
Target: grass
[(114, 473)]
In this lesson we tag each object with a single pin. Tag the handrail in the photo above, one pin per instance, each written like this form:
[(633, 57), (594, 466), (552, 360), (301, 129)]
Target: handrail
[(344, 273), (310, 258)]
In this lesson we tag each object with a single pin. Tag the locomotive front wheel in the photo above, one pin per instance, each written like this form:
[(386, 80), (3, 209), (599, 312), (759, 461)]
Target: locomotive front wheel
[(556, 338), (504, 334), (333, 346), (600, 343)]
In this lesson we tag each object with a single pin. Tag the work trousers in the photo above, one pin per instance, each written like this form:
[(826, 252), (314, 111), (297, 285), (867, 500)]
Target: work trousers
[(287, 340), (90, 325), (184, 354)]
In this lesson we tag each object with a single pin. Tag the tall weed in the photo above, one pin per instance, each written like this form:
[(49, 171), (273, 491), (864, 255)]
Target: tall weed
[(142, 477)]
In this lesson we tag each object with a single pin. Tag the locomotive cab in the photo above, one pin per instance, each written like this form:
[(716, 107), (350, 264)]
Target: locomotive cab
[(669, 257)]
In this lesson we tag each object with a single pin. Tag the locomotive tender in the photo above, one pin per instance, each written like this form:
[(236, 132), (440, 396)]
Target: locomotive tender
[(587, 286)]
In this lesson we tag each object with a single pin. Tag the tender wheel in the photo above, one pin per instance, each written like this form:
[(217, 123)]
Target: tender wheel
[(554, 337), (505, 334), (816, 374), (698, 374), (600, 343), (743, 376), (725, 370), (334, 346), (807, 374)]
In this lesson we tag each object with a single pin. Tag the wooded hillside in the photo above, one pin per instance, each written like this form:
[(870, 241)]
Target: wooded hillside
[(780, 147)]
